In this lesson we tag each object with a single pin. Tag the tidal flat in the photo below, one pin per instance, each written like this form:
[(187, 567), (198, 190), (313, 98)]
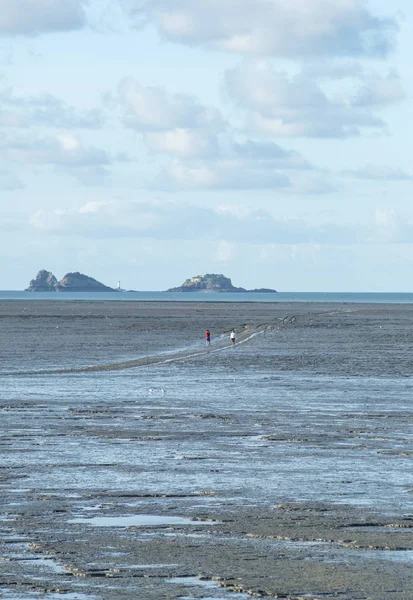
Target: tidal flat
[(138, 463)]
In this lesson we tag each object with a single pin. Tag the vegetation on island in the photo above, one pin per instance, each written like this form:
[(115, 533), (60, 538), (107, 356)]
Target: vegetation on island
[(212, 282)]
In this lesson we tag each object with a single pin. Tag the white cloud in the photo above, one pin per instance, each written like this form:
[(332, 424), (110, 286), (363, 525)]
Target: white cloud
[(391, 227), (226, 251), (239, 211), (95, 207), (379, 173), (227, 226), (310, 185), (242, 165), (68, 141), (65, 151), (293, 28), (32, 17), (44, 110), (277, 103), (183, 142), (268, 152), (154, 109), (110, 219), (379, 91), (206, 152), (224, 174), (174, 124)]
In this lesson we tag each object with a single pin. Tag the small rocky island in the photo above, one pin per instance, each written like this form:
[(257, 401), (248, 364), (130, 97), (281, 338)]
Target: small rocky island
[(45, 281), (212, 282)]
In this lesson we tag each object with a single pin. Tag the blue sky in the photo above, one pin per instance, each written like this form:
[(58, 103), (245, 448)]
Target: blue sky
[(148, 141)]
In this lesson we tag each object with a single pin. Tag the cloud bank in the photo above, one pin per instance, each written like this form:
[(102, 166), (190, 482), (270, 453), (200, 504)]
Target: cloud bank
[(33, 17), (226, 224), (44, 110), (204, 149), (379, 173), (183, 221), (154, 109), (333, 104), (64, 151), (293, 29)]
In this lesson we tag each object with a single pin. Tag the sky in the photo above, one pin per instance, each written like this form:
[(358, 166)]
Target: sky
[(148, 141)]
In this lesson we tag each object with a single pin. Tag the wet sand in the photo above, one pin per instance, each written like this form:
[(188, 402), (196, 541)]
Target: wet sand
[(136, 463)]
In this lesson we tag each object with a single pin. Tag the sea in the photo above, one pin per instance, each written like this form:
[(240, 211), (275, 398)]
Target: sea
[(123, 296)]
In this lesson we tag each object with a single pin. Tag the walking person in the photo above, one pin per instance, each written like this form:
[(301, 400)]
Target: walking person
[(207, 337), (232, 337)]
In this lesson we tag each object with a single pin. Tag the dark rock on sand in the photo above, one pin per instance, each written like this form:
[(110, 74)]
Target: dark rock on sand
[(212, 282), (71, 282)]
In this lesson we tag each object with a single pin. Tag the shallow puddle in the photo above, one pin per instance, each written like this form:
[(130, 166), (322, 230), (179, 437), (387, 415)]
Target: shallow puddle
[(44, 563), (8, 595), (401, 556), (207, 584), (139, 521)]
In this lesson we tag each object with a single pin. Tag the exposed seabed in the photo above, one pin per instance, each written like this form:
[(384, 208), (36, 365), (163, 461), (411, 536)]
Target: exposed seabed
[(137, 463)]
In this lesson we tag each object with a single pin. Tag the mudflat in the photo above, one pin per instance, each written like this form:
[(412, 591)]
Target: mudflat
[(138, 463)]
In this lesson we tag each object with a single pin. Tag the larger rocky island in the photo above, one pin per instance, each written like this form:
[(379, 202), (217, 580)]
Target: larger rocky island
[(45, 281), (212, 282)]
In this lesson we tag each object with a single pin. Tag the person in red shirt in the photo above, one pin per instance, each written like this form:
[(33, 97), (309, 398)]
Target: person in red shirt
[(207, 337)]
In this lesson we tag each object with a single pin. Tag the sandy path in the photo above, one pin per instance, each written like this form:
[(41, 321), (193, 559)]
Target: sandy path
[(246, 335)]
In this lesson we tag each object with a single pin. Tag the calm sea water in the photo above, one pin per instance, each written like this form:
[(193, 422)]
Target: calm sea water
[(359, 297)]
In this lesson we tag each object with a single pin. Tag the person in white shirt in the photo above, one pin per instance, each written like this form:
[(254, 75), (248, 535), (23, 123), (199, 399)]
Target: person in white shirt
[(232, 337)]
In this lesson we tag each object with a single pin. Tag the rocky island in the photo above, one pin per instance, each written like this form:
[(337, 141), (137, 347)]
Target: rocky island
[(212, 282), (45, 281)]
